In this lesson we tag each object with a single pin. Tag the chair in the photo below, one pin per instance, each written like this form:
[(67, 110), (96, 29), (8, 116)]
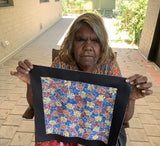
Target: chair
[(29, 113)]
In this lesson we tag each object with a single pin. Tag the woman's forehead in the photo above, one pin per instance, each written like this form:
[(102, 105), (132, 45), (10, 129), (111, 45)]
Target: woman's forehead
[(85, 30)]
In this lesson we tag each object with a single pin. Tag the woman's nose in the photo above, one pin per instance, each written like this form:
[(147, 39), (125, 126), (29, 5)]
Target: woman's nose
[(88, 45)]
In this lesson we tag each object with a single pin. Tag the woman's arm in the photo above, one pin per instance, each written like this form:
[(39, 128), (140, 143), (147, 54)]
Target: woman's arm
[(22, 73), (29, 95), (129, 112), (140, 89), (29, 113)]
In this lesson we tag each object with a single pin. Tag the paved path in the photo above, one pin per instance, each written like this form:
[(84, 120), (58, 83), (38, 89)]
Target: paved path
[(14, 130)]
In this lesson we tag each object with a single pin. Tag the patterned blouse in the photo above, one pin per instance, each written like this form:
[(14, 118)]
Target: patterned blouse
[(111, 69)]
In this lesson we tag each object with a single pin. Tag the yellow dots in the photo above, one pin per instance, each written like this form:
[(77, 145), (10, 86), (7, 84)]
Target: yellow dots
[(82, 94), (66, 133), (95, 137), (112, 90), (52, 122), (109, 109), (96, 129), (73, 125), (69, 106), (90, 104), (49, 130), (58, 103), (77, 114), (47, 79), (87, 124), (46, 100), (81, 130), (47, 111), (107, 133), (88, 113), (70, 95), (108, 122), (52, 91), (98, 118), (90, 87), (67, 83), (63, 119), (101, 98)]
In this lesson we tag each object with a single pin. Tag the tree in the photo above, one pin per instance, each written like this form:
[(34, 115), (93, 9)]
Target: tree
[(131, 15)]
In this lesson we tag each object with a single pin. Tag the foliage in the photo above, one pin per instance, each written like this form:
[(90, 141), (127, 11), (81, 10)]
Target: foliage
[(70, 5), (131, 15), (80, 7), (64, 7)]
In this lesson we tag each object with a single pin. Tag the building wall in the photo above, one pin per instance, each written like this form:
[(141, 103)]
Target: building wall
[(22, 22), (108, 4), (149, 27), (103, 4)]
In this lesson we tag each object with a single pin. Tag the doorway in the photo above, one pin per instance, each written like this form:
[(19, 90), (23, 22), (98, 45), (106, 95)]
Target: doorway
[(154, 54)]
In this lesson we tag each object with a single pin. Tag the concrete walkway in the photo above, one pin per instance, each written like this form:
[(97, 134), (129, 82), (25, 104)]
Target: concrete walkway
[(14, 130)]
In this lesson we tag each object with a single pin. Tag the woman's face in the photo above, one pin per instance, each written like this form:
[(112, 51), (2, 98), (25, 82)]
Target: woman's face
[(86, 48)]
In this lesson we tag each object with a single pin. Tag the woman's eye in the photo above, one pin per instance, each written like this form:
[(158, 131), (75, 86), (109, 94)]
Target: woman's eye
[(80, 39), (95, 40)]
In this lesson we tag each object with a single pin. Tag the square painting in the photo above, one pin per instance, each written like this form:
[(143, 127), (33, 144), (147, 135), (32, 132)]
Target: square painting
[(78, 107)]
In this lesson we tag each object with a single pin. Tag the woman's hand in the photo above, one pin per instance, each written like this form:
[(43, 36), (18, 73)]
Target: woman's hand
[(140, 89), (140, 86), (22, 72)]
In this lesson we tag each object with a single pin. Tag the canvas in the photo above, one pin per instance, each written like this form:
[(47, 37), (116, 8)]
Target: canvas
[(78, 107)]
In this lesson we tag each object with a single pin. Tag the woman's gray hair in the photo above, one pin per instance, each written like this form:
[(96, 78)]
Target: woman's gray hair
[(96, 23)]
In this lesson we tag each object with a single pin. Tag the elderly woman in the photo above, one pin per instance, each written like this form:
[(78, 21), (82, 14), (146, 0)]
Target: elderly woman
[(86, 48)]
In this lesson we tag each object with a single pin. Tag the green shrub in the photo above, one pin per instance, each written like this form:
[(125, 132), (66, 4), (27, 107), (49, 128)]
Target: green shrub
[(78, 6), (82, 6), (131, 15), (70, 6), (64, 7)]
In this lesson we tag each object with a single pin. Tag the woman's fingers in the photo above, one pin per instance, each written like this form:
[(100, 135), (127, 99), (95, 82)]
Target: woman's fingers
[(140, 86), (29, 64), (26, 65), (140, 80), (137, 79), (23, 69), (13, 73), (132, 79), (146, 92), (144, 86)]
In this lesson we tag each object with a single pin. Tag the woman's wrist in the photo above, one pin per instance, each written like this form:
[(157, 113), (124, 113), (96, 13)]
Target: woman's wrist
[(131, 103), (29, 95), (132, 99)]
